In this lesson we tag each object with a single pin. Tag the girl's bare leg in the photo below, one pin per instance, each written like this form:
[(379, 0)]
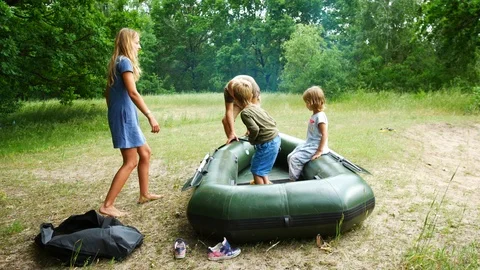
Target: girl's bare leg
[(144, 153), (129, 163)]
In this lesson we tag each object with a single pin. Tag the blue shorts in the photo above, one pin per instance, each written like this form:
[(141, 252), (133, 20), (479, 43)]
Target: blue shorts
[(265, 156)]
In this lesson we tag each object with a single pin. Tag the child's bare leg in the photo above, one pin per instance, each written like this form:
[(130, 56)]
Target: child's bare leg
[(258, 179), (266, 181), (129, 163), (144, 152)]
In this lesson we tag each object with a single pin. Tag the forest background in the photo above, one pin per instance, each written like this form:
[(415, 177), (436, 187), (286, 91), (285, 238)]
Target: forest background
[(60, 49)]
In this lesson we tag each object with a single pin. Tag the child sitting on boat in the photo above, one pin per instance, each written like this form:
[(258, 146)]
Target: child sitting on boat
[(262, 131), (317, 134)]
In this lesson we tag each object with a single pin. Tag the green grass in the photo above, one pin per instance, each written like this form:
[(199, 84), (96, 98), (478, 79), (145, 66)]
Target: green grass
[(14, 228), (41, 126), (464, 257), (57, 160)]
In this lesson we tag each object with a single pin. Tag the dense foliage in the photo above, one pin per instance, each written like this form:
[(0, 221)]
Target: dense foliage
[(60, 49)]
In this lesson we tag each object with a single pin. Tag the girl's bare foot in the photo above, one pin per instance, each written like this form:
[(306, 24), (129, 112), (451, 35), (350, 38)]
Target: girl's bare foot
[(149, 197), (111, 211)]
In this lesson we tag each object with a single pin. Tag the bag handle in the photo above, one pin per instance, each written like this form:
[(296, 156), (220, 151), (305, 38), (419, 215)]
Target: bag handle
[(46, 232)]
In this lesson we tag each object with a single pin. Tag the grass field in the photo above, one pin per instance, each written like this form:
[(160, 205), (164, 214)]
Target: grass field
[(57, 161)]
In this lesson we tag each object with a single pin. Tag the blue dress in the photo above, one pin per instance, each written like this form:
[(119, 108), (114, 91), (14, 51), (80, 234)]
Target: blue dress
[(122, 112)]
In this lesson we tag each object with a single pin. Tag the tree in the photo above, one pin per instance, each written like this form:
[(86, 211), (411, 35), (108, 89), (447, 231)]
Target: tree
[(52, 50), (251, 42), (309, 62), (454, 28), (218, 39), (183, 30), (8, 59), (59, 49), (386, 53)]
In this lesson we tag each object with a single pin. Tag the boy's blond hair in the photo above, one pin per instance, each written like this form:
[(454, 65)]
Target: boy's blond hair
[(314, 98), (242, 92), (255, 87), (124, 46)]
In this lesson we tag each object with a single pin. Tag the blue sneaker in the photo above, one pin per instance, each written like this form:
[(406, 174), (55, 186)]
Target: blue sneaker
[(222, 251), (179, 248)]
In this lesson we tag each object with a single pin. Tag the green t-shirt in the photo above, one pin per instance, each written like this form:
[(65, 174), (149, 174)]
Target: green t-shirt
[(261, 126)]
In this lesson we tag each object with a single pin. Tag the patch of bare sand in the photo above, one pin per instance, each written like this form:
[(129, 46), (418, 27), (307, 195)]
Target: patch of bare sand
[(407, 194), (450, 162), (90, 171), (78, 171)]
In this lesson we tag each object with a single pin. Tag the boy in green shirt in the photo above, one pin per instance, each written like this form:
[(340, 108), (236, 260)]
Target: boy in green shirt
[(262, 131)]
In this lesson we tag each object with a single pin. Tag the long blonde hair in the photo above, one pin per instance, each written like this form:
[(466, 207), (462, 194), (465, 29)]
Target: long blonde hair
[(124, 46)]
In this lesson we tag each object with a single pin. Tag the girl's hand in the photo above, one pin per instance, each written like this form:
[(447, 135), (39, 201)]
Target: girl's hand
[(316, 155), (153, 123)]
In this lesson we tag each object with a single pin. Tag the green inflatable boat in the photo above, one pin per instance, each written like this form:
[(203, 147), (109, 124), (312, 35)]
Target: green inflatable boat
[(330, 198)]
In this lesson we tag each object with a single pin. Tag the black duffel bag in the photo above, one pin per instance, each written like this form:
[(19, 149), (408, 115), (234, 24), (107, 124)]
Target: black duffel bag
[(80, 239)]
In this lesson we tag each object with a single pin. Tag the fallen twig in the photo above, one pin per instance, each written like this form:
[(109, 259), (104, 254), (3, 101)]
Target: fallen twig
[(272, 246)]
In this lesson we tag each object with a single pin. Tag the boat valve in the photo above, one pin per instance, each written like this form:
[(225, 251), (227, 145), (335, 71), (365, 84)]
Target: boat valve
[(286, 219)]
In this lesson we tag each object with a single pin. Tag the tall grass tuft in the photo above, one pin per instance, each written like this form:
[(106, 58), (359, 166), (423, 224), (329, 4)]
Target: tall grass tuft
[(338, 228), (426, 256)]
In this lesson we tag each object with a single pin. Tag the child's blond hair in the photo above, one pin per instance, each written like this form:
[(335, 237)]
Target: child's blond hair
[(314, 98), (124, 46), (242, 92), (255, 88)]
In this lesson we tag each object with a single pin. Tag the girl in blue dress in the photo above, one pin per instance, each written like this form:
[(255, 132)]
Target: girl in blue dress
[(123, 100)]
